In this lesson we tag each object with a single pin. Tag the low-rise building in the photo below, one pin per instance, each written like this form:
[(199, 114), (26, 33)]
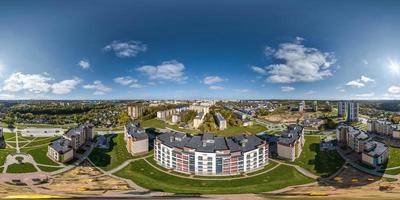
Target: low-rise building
[(290, 144), (42, 132), (220, 121), (137, 141), (207, 154), (375, 154), (64, 149)]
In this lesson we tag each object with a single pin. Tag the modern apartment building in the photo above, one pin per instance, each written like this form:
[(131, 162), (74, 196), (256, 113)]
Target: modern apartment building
[(352, 112), (198, 120), (220, 121), (207, 154), (135, 111), (290, 144), (137, 141), (342, 107), (64, 148), (384, 127), (373, 153)]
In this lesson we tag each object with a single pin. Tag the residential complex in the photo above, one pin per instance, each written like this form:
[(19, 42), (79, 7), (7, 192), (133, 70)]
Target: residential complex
[(64, 149), (135, 111), (137, 141), (207, 154), (384, 127), (168, 114), (220, 121), (373, 153), (198, 120), (291, 143)]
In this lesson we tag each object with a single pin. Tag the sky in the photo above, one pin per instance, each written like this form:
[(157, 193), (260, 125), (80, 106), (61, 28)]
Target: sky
[(205, 49)]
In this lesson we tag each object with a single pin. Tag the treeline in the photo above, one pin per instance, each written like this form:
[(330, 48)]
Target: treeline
[(52, 109)]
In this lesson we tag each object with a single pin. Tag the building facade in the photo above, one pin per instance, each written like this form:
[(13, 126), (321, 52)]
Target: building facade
[(207, 154), (135, 111), (384, 127), (290, 144), (220, 121), (198, 120), (352, 112), (341, 106), (375, 154), (64, 149), (137, 141)]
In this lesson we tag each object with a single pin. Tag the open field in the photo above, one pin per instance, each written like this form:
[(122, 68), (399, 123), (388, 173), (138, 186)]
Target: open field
[(4, 153), (230, 131), (321, 163), (108, 159), (147, 176), (39, 153), (394, 157), (21, 168)]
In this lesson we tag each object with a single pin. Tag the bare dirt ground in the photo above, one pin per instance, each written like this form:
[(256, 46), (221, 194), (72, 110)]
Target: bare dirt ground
[(288, 117), (349, 184)]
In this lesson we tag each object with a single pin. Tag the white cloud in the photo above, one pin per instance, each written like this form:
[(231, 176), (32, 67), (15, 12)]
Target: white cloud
[(209, 80), (269, 51), (98, 87), (167, 70), (242, 90), (65, 86), (126, 49), (310, 92), (215, 87), (394, 89), (370, 94), (36, 83), (125, 80), (301, 64), (84, 64), (287, 89), (355, 83), (366, 79), (136, 85), (7, 97), (358, 83), (259, 70)]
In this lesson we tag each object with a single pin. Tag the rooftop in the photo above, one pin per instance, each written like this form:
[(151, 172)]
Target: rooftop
[(375, 149), (61, 145), (293, 133), (135, 131)]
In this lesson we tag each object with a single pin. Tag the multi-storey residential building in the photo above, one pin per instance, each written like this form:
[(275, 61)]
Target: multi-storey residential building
[(175, 118), (241, 115), (198, 120), (135, 111), (352, 112), (207, 154), (372, 152), (341, 106), (302, 106), (200, 108), (2, 141), (291, 143), (315, 106), (62, 149), (166, 114), (137, 141), (384, 127), (220, 121), (375, 154)]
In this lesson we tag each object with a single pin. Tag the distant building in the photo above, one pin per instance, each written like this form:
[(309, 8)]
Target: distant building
[(220, 121), (2, 141), (352, 112), (341, 106), (64, 149), (137, 141), (384, 127), (241, 115), (135, 111), (175, 118), (328, 107), (291, 143), (315, 106), (200, 108), (42, 132), (207, 154), (198, 120), (302, 106)]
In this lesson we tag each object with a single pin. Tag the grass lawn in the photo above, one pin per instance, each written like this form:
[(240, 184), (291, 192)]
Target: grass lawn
[(38, 142), (321, 163), (21, 168), (231, 130), (108, 159), (152, 123), (394, 157), (40, 155), (8, 135), (48, 169), (4, 153), (146, 176)]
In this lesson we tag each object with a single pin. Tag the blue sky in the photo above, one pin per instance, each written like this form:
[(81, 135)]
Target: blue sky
[(199, 49)]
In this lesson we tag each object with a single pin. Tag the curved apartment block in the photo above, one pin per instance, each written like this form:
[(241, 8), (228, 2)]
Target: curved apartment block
[(207, 154)]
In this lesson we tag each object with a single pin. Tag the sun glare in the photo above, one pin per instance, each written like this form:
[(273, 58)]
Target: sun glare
[(394, 67)]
